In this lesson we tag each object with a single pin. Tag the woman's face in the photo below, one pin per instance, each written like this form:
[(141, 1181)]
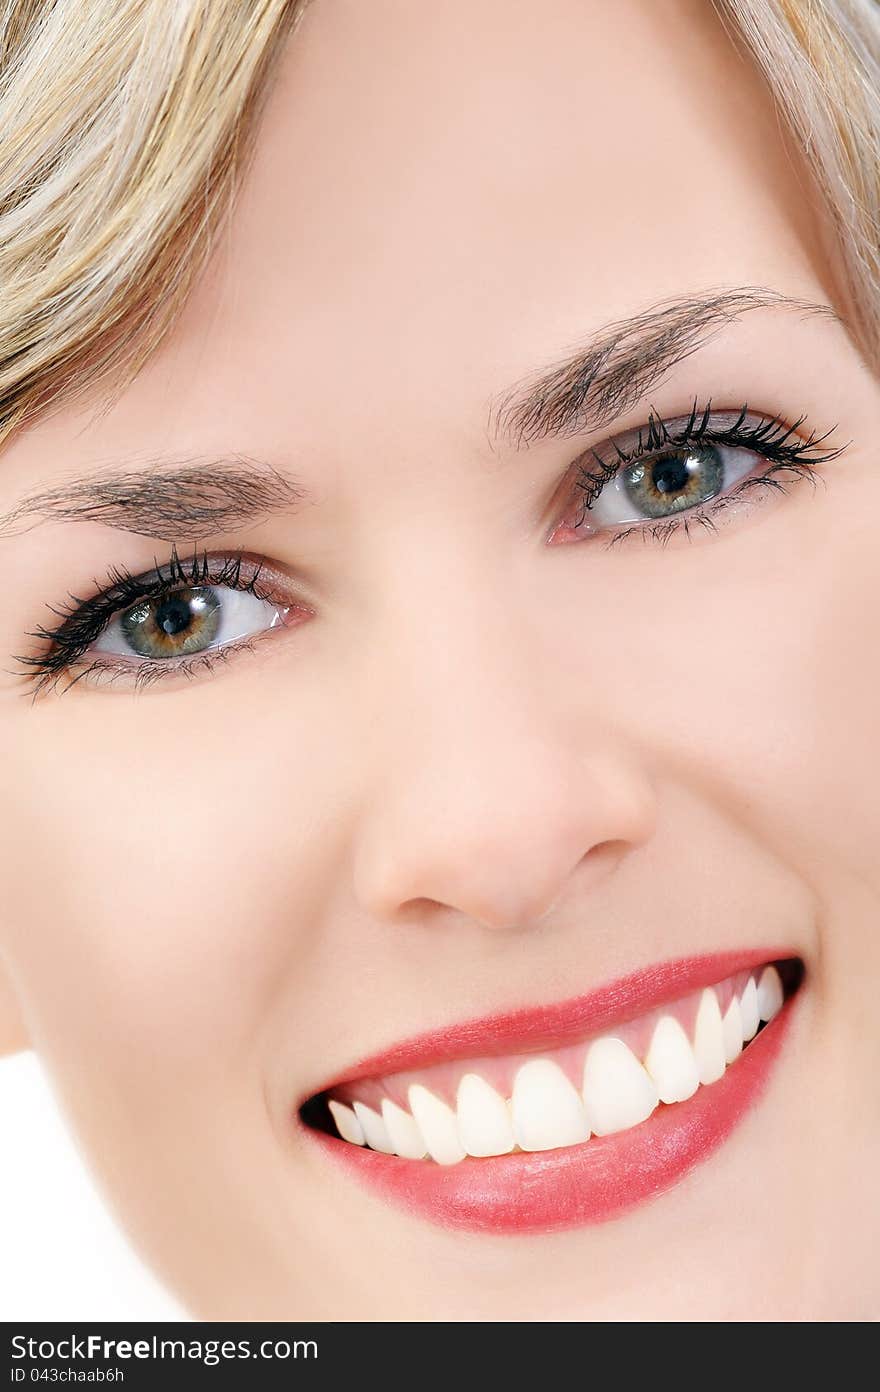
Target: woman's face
[(489, 750)]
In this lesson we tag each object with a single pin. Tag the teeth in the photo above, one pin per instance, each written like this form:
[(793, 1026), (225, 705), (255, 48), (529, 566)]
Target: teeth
[(374, 1129), (347, 1123), (671, 1062), (709, 1039), (437, 1124), (617, 1091), (749, 1008), (769, 993), (403, 1132), (547, 1111), (484, 1125), (732, 1025)]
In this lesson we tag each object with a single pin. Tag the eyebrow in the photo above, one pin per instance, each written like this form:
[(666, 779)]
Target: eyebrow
[(168, 499), (624, 361)]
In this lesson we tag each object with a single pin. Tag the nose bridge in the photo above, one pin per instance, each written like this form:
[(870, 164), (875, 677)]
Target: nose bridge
[(487, 786), (456, 667)]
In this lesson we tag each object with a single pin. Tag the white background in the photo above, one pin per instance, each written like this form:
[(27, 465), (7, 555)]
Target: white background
[(61, 1255)]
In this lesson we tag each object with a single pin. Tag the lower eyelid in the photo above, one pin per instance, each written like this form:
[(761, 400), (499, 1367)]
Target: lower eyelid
[(143, 674), (702, 522), (127, 672), (741, 498)]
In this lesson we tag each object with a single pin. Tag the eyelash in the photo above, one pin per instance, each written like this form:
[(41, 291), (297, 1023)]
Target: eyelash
[(769, 438), (85, 620)]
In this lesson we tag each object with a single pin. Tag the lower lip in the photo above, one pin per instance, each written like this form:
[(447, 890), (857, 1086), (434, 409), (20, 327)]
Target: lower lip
[(544, 1191)]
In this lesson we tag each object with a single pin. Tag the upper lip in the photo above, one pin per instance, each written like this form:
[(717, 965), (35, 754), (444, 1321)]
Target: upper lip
[(547, 1026)]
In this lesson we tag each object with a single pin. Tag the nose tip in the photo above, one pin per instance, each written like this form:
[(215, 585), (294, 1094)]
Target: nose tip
[(507, 907), (524, 906), (503, 860)]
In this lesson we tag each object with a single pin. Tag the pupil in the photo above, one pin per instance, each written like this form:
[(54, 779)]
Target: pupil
[(669, 474), (173, 615), (174, 624)]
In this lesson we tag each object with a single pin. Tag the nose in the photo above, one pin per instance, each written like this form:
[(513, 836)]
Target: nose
[(493, 789)]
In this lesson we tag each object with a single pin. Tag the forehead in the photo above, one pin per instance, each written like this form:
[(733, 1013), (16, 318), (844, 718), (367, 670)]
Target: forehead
[(445, 197), (435, 184)]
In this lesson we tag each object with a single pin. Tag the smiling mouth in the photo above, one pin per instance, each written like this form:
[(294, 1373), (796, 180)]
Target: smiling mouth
[(569, 1113)]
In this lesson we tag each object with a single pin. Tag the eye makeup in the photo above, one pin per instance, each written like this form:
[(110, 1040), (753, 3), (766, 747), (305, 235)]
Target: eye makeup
[(653, 469), (666, 463), (132, 597)]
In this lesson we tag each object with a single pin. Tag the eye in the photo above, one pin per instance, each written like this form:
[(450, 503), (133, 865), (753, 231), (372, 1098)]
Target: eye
[(184, 622), (178, 619), (679, 477), (686, 470)]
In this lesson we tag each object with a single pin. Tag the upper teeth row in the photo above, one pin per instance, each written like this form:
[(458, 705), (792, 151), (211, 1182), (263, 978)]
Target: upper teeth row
[(546, 1110)]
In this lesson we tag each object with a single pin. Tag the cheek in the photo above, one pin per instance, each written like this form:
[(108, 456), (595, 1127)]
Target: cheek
[(758, 662), (812, 663), (154, 899), (159, 905)]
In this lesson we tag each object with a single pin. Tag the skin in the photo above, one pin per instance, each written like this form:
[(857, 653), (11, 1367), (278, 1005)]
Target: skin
[(488, 771)]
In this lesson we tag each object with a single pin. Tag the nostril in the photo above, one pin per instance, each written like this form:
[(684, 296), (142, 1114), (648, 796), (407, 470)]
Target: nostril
[(499, 843)]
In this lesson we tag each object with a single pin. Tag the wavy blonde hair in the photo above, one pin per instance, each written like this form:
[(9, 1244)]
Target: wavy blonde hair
[(125, 125), (821, 59)]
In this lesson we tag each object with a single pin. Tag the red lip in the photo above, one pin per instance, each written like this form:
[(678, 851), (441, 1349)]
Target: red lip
[(548, 1026), (529, 1192)]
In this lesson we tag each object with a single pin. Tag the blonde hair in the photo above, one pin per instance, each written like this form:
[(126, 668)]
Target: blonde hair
[(821, 59), (125, 125)]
